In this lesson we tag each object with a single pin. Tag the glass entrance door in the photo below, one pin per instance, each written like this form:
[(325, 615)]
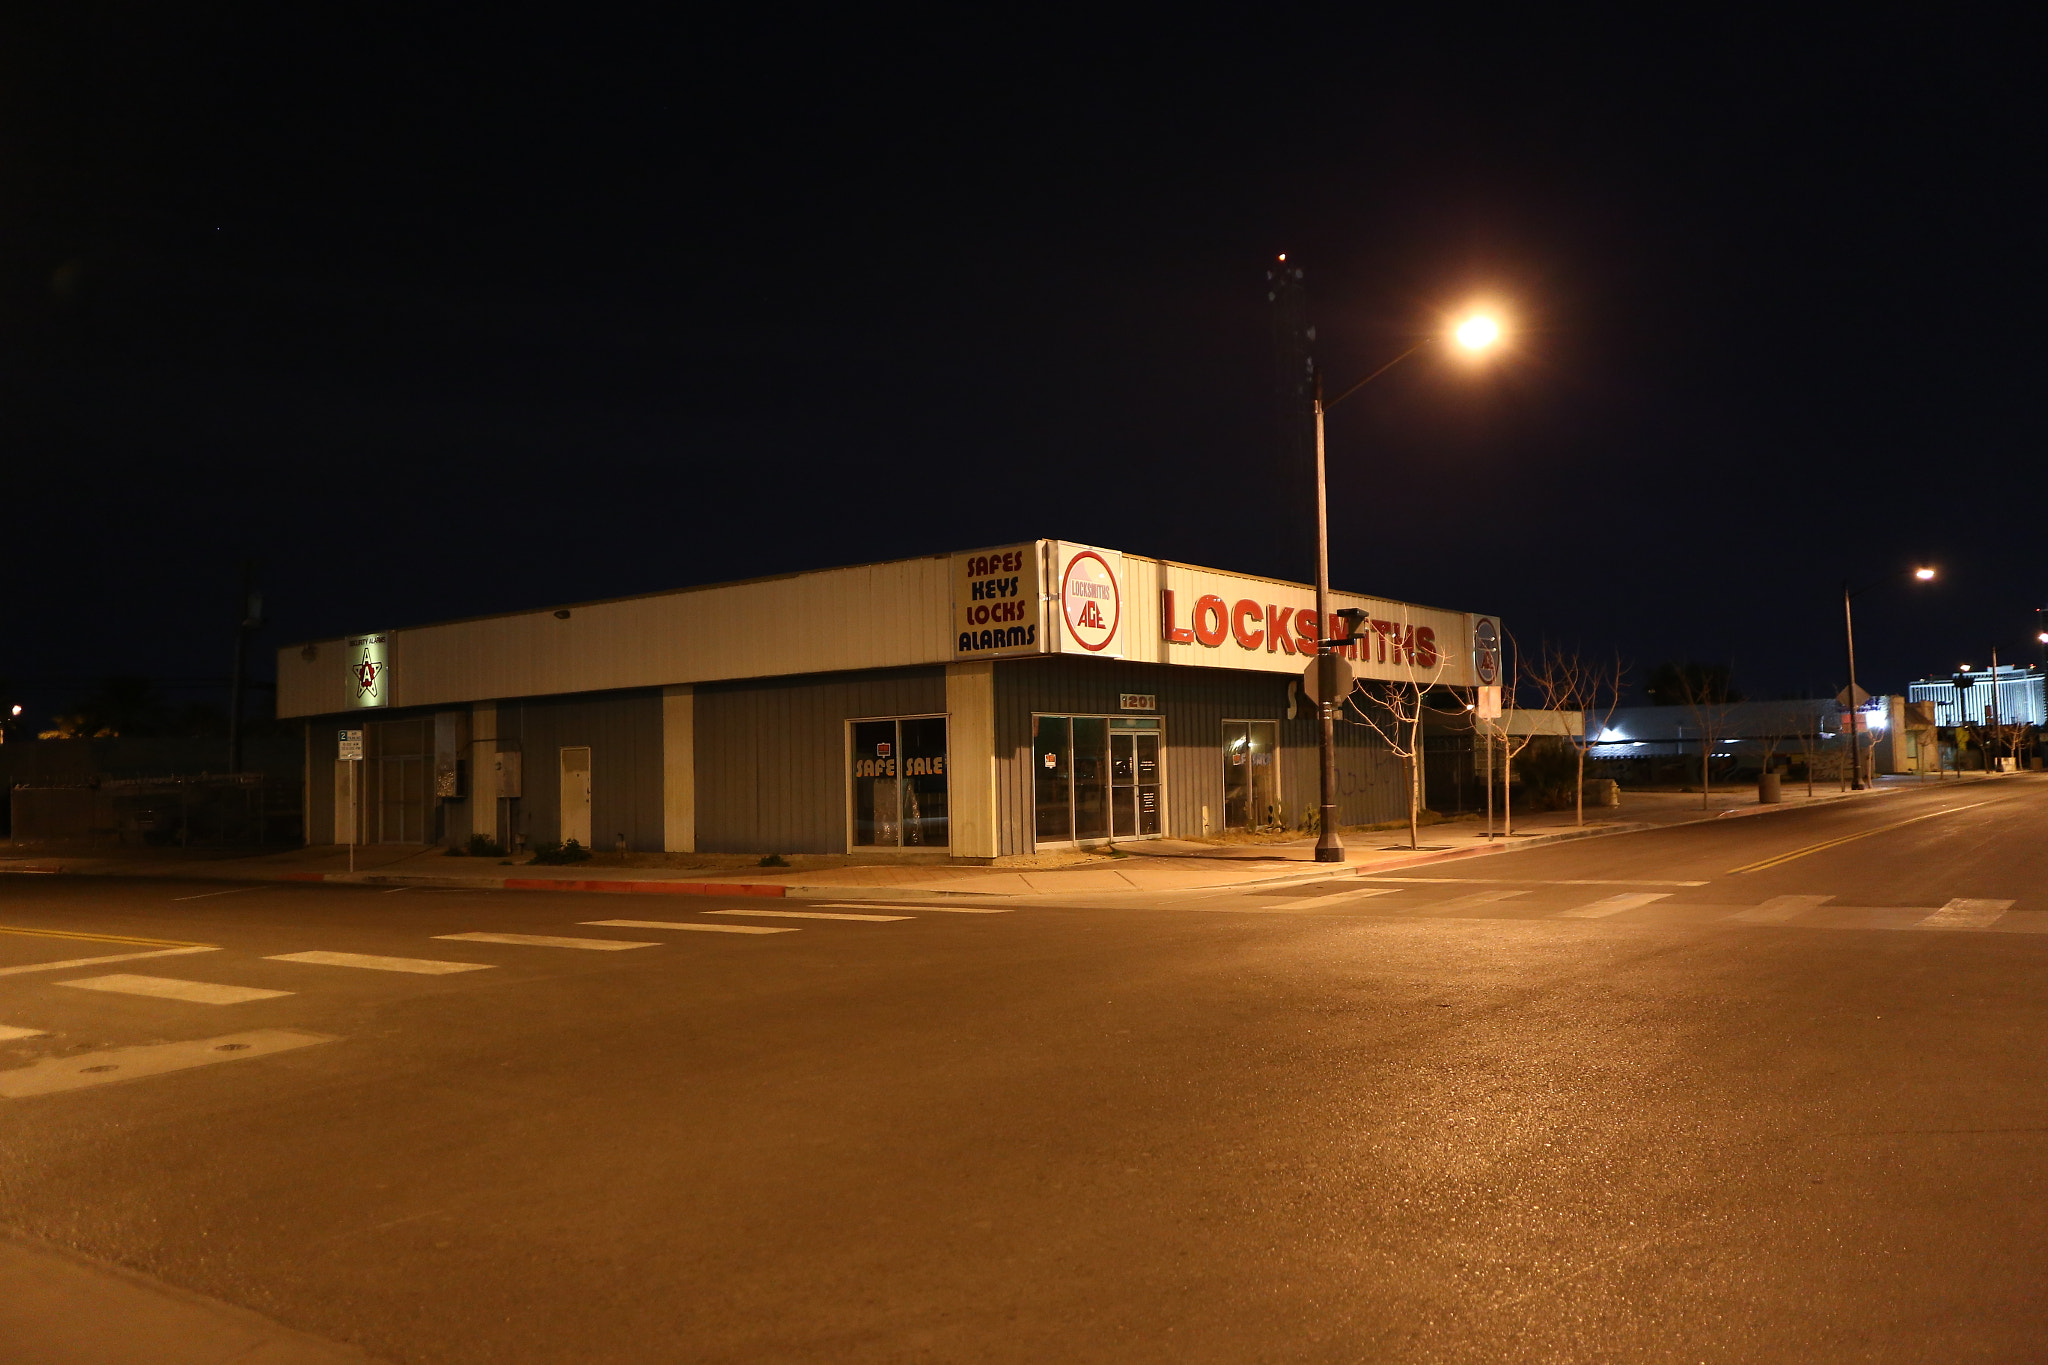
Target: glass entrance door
[(1134, 783), (1095, 778)]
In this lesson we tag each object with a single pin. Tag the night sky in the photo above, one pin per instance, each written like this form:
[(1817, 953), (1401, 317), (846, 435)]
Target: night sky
[(453, 314)]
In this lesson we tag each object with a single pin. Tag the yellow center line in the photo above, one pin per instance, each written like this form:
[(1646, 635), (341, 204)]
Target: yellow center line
[(1775, 859), (102, 938)]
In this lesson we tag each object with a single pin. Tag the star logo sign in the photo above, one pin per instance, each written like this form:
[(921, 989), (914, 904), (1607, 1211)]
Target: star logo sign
[(366, 675)]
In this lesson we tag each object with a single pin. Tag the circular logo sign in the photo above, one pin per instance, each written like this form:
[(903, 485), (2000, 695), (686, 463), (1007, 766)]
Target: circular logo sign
[(1090, 601), (1486, 650)]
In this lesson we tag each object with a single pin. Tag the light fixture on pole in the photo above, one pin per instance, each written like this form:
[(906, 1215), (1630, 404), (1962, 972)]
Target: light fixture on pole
[(1476, 333), (1922, 574)]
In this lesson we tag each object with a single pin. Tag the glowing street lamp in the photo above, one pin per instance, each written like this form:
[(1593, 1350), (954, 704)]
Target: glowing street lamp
[(1476, 333), (1923, 574)]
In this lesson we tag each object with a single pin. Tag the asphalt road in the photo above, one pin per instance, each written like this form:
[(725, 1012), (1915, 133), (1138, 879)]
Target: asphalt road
[(1613, 1100)]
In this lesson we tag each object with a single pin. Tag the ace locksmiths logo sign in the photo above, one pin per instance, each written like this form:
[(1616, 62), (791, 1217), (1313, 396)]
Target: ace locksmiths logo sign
[(1091, 599), (369, 670), (997, 608)]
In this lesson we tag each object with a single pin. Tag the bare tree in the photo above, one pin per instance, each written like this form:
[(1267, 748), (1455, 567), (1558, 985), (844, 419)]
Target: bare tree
[(1567, 681), (1704, 691), (1404, 702)]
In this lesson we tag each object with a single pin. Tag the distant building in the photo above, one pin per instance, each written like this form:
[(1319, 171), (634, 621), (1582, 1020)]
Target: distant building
[(2018, 688)]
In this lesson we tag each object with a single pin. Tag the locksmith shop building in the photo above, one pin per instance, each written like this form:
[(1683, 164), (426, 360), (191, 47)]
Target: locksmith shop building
[(984, 704)]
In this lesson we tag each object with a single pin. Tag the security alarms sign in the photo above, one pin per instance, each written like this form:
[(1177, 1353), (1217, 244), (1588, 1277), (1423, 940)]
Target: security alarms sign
[(1091, 600), (997, 602), (369, 670)]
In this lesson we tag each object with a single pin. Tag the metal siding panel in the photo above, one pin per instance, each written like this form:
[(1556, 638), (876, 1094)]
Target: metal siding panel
[(772, 754)]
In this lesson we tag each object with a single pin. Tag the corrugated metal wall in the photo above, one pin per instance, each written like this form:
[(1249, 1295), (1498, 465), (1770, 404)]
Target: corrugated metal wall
[(868, 616), (1194, 705), (623, 731), (771, 755)]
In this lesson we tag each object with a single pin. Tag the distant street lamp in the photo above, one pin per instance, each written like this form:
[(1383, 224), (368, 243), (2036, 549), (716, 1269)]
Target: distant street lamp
[(1923, 575), (1477, 333)]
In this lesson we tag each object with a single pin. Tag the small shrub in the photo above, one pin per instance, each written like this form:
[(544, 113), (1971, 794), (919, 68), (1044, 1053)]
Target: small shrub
[(773, 860), (484, 846), (554, 854)]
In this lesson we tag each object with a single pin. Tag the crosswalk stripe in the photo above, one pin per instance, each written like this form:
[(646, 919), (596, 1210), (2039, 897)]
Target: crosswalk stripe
[(603, 945), (920, 909), (805, 914), (1965, 913), (81, 1069), (1778, 909), (678, 924), (1344, 897), (8, 1033), (418, 966), (1614, 905), (168, 988), (1467, 901)]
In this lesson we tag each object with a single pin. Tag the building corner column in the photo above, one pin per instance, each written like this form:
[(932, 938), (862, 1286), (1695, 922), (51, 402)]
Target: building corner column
[(679, 769), (971, 759), (483, 771)]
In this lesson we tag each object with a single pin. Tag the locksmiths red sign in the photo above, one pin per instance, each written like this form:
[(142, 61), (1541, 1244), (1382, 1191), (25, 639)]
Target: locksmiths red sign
[(1249, 624)]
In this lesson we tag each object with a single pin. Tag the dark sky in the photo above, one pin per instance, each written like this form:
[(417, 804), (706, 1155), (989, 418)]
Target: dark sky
[(440, 315)]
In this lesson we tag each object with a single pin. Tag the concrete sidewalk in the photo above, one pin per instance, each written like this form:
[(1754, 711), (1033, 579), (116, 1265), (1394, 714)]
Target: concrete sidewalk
[(1164, 865)]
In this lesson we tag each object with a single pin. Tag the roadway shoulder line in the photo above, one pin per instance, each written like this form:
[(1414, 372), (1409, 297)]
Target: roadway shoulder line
[(100, 938), (700, 928), (549, 941), (170, 988), (71, 962)]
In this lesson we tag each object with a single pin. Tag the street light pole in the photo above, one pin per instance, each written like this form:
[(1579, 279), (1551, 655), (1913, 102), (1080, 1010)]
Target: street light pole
[(1922, 575), (1855, 744), (1477, 333), (1329, 847)]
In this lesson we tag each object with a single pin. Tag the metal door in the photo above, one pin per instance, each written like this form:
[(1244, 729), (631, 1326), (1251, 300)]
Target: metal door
[(576, 795), (401, 800)]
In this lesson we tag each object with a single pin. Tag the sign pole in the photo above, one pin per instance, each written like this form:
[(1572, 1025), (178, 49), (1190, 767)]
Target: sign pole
[(355, 808)]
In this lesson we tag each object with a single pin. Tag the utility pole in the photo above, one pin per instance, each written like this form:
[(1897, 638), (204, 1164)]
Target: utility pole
[(1855, 742), (251, 620)]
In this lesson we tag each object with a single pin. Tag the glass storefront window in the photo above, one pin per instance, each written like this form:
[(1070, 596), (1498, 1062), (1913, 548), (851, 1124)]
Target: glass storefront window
[(1052, 766), (1251, 786), (899, 783)]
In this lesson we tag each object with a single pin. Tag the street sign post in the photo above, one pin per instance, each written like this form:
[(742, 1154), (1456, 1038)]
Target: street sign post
[(350, 751)]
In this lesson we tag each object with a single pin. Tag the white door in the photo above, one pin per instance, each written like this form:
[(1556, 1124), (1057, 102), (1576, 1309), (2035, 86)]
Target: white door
[(576, 796)]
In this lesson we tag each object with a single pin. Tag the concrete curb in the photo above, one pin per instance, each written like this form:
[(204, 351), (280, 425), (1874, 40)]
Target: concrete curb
[(814, 891)]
